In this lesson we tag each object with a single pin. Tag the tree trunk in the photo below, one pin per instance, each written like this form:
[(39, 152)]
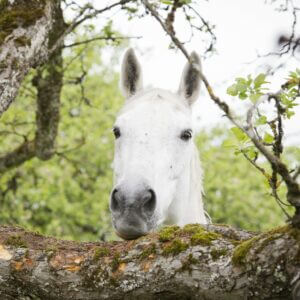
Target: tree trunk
[(26, 26), (212, 262), (48, 82)]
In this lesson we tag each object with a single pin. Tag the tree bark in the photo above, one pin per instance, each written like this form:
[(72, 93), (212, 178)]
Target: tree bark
[(212, 262), (48, 82), (26, 26)]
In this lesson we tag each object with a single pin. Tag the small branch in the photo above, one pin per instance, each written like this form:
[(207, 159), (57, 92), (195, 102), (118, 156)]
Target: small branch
[(166, 29), (252, 162), (289, 44), (296, 174), (293, 194), (273, 189), (111, 38), (208, 28), (78, 20), (17, 157), (179, 45)]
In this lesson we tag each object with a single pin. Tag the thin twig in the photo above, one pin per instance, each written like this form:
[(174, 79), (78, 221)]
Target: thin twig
[(293, 194), (111, 38), (296, 174), (79, 20)]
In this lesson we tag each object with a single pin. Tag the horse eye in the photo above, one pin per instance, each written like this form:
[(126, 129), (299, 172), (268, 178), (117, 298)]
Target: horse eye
[(117, 132), (186, 135)]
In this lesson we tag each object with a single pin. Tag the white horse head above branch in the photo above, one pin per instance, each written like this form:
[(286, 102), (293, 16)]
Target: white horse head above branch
[(157, 172)]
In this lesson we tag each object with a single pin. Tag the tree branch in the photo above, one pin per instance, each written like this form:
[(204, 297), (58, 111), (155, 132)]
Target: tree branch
[(48, 83), (212, 262), (20, 50), (293, 195), (107, 38), (79, 20), (17, 157)]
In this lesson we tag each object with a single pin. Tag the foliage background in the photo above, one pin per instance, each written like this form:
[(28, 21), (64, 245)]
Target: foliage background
[(68, 196)]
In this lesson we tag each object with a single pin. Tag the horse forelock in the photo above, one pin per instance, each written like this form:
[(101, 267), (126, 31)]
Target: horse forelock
[(156, 96)]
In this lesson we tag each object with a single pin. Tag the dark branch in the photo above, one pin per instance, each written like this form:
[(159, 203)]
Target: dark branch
[(48, 83), (293, 194), (80, 18), (107, 38)]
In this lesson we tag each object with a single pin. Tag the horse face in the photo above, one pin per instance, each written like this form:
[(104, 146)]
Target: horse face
[(153, 149)]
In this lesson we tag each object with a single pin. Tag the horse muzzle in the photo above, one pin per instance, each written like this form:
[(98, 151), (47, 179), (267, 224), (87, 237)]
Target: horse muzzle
[(133, 213)]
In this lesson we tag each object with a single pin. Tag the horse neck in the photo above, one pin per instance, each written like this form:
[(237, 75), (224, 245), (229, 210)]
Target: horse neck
[(187, 207)]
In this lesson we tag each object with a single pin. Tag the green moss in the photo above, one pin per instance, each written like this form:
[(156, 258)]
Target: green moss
[(22, 41), (217, 253), (186, 264), (16, 241), (241, 251), (113, 281), (3, 4), (51, 251), (151, 249), (100, 252), (175, 247), (2, 64), (258, 243), (19, 14), (291, 231), (115, 262), (167, 233), (51, 248), (204, 238), (193, 228), (276, 233)]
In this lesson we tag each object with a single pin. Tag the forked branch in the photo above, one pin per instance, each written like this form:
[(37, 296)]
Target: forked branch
[(293, 194)]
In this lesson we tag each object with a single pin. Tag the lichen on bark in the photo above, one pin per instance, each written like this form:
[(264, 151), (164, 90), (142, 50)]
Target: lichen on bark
[(25, 27), (141, 269), (48, 80)]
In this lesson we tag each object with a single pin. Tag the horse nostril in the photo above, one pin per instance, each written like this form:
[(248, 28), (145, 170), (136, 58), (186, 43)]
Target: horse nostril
[(115, 199), (149, 200)]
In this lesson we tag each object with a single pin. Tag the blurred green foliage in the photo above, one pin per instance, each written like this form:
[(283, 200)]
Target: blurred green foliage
[(235, 192), (67, 196)]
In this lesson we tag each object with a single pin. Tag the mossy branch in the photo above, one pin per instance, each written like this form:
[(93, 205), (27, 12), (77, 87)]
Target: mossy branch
[(48, 83), (193, 262)]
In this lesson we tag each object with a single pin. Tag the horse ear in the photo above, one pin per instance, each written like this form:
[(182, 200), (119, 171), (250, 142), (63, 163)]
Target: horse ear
[(131, 74), (190, 80)]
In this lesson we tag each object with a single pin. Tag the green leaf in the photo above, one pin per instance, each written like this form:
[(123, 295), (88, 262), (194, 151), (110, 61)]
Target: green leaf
[(259, 80), (237, 151), (232, 90), (255, 97), (239, 134), (228, 143), (241, 85), (249, 81), (166, 2), (262, 120), (251, 152), (268, 138), (243, 96), (289, 113)]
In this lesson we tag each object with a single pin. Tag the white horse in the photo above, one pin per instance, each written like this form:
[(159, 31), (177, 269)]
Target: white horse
[(157, 171)]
